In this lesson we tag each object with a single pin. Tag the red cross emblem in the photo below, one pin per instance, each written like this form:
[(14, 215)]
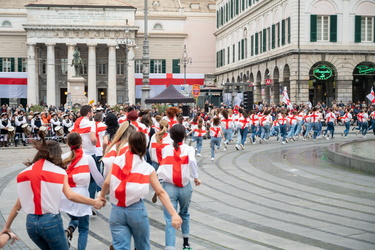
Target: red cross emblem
[(314, 117), (124, 175), (36, 175), (176, 161), (159, 147)]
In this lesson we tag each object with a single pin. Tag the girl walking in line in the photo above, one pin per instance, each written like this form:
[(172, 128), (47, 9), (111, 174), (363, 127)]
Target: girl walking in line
[(40, 187), (176, 170), (199, 132), (128, 184), (216, 134), (79, 167)]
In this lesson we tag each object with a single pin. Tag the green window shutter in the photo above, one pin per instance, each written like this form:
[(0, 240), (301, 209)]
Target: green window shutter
[(228, 55), (373, 24), (19, 64), (163, 66), (12, 64), (217, 61), (282, 32), (278, 35), (217, 19), (333, 28), (313, 28), (289, 30), (243, 5), (237, 7), (176, 66), (256, 43), (152, 66), (239, 51), (252, 45), (264, 41), (357, 32), (273, 36), (250, 2), (231, 9), (242, 49), (1, 64)]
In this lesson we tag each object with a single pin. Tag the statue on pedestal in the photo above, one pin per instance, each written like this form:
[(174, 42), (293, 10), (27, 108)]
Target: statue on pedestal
[(77, 62)]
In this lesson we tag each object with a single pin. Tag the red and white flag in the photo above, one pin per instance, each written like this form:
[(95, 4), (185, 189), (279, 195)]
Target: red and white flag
[(286, 99), (13, 84), (371, 96)]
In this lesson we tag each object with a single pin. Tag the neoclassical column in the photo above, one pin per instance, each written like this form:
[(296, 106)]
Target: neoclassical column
[(32, 85), (92, 88), (71, 48), (131, 76), (112, 90), (51, 86)]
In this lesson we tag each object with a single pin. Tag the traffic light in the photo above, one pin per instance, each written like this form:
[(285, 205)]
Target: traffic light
[(248, 100)]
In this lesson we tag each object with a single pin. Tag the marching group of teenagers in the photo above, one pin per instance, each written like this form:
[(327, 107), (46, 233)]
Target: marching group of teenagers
[(119, 156)]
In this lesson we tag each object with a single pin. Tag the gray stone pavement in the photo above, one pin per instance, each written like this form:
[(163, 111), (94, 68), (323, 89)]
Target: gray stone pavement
[(268, 196)]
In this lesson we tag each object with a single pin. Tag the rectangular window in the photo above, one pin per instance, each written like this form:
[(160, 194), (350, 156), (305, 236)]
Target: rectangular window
[(277, 37), (242, 49), (239, 51), (260, 42), (264, 41), (157, 66), (282, 32), (234, 53), (64, 66), (269, 38), (120, 66), (43, 66), (138, 66), (322, 24), (7, 64), (256, 44), (228, 49), (367, 28), (176, 66), (252, 45), (273, 36), (22, 65), (102, 67)]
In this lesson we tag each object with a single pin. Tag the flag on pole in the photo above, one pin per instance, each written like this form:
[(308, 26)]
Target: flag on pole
[(371, 96), (286, 99)]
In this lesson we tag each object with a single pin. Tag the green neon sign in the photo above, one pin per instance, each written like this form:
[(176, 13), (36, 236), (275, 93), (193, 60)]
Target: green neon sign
[(364, 70), (322, 72)]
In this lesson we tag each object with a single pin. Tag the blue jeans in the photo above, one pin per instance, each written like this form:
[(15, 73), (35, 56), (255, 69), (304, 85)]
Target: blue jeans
[(47, 231), (298, 128), (283, 131), (179, 196), (265, 132), (243, 133), (83, 229), (372, 126), (347, 128), (127, 221), (308, 128), (253, 132), (199, 140), (291, 130), (215, 141), (364, 128), (315, 128), (239, 138), (227, 134), (330, 128), (275, 131), (155, 165)]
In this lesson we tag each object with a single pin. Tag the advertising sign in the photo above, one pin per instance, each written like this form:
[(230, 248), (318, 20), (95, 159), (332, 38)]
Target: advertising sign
[(196, 90)]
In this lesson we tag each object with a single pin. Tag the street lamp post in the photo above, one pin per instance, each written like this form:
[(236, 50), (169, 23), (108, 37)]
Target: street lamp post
[(185, 60), (126, 43), (145, 61)]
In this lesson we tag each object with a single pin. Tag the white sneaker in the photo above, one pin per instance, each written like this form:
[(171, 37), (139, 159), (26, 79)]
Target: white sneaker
[(345, 137), (237, 147), (212, 158), (242, 147), (364, 137), (283, 142), (224, 149), (199, 155), (225, 146)]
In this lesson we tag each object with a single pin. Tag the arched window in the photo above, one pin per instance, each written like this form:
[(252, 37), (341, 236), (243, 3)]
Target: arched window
[(6, 23), (158, 26)]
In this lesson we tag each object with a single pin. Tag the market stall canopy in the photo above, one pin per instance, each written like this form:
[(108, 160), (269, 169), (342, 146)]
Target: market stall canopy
[(170, 95)]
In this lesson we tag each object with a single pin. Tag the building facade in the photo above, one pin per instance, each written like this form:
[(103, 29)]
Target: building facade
[(40, 37), (321, 50)]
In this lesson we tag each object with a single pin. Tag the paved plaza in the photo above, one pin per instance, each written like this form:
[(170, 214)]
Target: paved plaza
[(268, 196)]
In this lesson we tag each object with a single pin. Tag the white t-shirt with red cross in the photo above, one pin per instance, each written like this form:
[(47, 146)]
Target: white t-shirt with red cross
[(84, 127), (179, 166), (40, 187), (100, 132), (156, 148), (130, 178)]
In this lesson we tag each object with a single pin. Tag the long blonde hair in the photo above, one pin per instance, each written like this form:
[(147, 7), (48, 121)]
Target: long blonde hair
[(163, 124), (122, 135)]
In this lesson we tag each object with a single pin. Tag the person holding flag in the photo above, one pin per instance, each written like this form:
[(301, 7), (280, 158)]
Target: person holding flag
[(286, 99), (371, 97)]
